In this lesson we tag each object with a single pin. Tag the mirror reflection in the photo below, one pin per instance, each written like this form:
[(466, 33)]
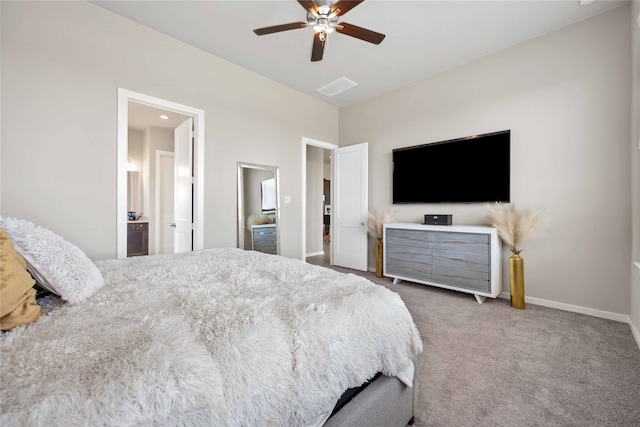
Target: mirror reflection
[(133, 192), (258, 207)]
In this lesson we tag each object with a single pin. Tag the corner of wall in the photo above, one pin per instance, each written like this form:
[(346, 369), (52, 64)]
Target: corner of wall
[(635, 173)]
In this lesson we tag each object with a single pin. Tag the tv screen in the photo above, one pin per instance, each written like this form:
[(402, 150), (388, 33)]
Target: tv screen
[(474, 169)]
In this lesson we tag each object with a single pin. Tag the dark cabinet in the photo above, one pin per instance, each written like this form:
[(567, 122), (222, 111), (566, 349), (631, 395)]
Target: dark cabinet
[(327, 202), (137, 239)]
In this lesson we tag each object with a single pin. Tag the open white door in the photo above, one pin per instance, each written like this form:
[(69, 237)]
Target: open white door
[(350, 204), (165, 186), (183, 193)]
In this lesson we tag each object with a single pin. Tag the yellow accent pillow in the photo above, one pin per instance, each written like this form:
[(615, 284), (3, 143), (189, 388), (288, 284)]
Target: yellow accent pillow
[(18, 304)]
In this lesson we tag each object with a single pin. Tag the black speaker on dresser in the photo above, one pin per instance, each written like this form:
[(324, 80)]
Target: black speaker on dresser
[(438, 219)]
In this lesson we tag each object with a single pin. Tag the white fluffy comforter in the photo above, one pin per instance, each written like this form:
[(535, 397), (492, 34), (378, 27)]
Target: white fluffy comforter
[(220, 337)]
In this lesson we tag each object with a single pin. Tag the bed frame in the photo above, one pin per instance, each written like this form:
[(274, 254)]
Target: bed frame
[(384, 402)]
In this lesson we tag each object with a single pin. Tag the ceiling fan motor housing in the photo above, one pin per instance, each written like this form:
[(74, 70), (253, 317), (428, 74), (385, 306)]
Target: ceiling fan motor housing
[(322, 23)]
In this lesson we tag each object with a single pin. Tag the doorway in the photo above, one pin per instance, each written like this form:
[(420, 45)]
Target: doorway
[(349, 203), (153, 141), (125, 98), (316, 166)]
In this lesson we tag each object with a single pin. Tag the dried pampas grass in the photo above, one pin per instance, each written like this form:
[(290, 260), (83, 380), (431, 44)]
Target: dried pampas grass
[(516, 226), (256, 219), (376, 220)]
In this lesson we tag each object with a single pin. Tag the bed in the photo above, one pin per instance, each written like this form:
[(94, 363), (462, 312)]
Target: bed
[(217, 337)]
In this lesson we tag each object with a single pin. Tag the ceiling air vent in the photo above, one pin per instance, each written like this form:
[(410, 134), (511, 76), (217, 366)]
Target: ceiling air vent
[(337, 86)]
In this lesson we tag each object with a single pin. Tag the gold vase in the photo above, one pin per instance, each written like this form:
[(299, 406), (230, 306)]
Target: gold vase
[(379, 258), (516, 278)]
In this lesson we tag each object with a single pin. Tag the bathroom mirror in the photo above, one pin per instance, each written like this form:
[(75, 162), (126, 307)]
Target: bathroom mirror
[(258, 207), (133, 191)]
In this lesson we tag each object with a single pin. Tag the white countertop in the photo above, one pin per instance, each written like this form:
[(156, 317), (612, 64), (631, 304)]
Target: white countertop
[(263, 225)]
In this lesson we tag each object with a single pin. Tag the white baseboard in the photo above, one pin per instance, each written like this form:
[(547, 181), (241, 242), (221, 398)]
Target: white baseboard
[(624, 318), (314, 254), (573, 308)]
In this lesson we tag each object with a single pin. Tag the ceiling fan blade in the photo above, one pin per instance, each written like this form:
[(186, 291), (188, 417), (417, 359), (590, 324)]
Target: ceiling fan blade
[(318, 48), (344, 6), (278, 28), (360, 33), (309, 5)]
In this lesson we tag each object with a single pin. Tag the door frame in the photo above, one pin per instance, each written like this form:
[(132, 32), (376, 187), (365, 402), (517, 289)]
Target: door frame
[(124, 97), (327, 146)]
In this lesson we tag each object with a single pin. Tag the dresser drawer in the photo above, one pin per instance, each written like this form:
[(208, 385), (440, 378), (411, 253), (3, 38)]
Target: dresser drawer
[(138, 226), (461, 260), (264, 236), (418, 239), (408, 253), (267, 247), (465, 242), (471, 280), (402, 268)]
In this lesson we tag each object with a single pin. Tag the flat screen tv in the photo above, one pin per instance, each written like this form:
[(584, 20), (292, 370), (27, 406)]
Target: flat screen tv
[(474, 169)]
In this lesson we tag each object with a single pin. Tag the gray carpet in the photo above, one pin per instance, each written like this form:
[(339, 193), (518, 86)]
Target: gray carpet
[(492, 365)]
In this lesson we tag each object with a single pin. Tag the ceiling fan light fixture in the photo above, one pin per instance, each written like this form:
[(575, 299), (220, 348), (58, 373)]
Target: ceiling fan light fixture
[(323, 25)]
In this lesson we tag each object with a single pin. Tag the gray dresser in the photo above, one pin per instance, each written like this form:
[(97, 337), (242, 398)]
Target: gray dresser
[(263, 238), (463, 258)]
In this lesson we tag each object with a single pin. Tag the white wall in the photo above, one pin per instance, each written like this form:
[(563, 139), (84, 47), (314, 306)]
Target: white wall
[(565, 96), (61, 66)]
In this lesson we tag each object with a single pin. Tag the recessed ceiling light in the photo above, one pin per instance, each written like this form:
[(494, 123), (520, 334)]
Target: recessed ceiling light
[(163, 117)]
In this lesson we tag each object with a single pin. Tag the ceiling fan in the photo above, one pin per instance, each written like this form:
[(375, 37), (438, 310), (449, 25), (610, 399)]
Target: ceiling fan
[(324, 20)]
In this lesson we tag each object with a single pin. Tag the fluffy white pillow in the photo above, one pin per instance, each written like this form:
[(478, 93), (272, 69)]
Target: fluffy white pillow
[(57, 264)]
